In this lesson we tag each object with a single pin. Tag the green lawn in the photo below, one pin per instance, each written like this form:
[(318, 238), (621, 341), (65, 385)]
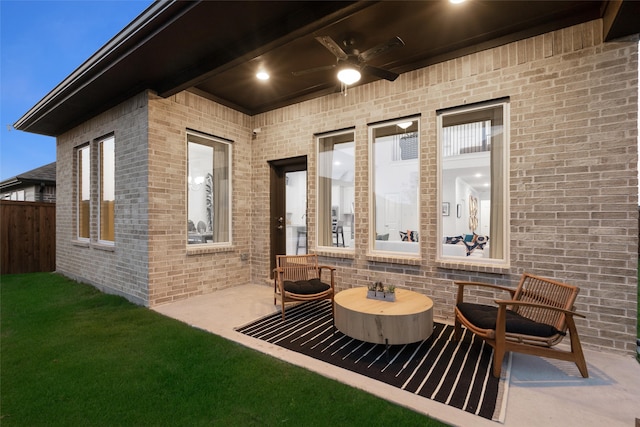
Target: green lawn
[(72, 356)]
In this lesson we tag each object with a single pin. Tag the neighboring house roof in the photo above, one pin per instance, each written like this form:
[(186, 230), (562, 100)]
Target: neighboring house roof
[(43, 175), (215, 48)]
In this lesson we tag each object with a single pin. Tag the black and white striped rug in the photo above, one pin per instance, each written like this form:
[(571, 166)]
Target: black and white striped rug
[(439, 368)]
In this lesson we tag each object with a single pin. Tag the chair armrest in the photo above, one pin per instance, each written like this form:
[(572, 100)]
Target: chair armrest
[(331, 270), (504, 303), (462, 284), (278, 279)]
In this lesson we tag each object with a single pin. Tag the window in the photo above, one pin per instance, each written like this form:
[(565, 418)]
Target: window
[(16, 195), (83, 192), (474, 182), (107, 189), (336, 191), (394, 173), (209, 190)]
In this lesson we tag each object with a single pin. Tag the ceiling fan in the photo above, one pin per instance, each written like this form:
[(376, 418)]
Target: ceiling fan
[(351, 56)]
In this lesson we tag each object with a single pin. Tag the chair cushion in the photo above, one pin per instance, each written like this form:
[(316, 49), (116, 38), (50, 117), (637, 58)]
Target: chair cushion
[(306, 287), (485, 316)]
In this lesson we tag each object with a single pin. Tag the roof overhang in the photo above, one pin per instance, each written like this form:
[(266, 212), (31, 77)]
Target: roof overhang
[(214, 48)]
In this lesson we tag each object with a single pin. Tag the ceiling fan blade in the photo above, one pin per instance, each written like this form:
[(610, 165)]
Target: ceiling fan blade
[(333, 47), (313, 70), (380, 49), (379, 72)]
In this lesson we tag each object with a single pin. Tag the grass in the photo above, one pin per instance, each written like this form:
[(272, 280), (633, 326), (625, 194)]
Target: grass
[(74, 356)]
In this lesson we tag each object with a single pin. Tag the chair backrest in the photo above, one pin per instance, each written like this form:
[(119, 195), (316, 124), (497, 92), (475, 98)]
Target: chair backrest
[(298, 267), (549, 292)]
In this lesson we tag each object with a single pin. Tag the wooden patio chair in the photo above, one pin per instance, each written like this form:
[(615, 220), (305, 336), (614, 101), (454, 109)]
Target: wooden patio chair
[(533, 321), (298, 278)]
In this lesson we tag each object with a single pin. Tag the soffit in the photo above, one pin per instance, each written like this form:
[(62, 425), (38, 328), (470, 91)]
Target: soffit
[(215, 48)]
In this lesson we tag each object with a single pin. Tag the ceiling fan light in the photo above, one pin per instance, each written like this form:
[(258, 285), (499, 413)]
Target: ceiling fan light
[(348, 75)]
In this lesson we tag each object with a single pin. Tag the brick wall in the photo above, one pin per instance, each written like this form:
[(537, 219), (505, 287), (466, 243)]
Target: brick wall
[(175, 270), (573, 171), (573, 180), (120, 269), (150, 263)]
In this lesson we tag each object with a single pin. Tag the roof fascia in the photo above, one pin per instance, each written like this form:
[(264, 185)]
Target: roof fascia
[(140, 30)]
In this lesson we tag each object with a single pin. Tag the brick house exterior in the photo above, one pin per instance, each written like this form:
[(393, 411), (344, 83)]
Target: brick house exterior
[(573, 181)]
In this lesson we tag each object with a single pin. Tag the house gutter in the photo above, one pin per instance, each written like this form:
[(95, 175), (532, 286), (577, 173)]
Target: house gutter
[(18, 181)]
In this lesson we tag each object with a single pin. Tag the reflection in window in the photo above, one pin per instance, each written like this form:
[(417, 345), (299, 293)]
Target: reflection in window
[(473, 148), (15, 195), (296, 209), (209, 190), (336, 168), (395, 176), (107, 190), (83, 191)]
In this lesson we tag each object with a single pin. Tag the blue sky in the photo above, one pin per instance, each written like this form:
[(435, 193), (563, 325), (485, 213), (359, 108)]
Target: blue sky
[(41, 43)]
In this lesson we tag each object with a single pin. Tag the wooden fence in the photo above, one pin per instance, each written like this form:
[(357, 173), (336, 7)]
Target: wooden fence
[(27, 237)]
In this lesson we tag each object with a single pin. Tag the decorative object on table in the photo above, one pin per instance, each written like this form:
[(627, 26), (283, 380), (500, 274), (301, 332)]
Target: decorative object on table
[(378, 291)]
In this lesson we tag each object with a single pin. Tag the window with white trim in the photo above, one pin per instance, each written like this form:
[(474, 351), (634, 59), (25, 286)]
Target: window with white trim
[(208, 190), (394, 175), (474, 182), (336, 189), (106, 207), (83, 192)]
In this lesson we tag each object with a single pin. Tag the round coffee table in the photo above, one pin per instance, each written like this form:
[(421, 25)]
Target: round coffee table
[(409, 319)]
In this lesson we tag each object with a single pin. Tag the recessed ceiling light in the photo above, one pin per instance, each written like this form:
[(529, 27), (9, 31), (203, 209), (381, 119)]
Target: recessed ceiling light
[(456, 1), (262, 75)]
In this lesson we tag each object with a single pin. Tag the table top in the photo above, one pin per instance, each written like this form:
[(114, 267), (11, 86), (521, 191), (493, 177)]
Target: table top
[(407, 302)]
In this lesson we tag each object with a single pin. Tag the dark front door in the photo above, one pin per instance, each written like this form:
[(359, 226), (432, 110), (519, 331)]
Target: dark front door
[(288, 212)]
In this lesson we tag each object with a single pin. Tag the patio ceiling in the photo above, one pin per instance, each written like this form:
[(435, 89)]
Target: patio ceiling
[(215, 48)]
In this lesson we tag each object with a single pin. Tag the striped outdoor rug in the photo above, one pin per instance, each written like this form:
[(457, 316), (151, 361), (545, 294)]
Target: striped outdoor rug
[(455, 373)]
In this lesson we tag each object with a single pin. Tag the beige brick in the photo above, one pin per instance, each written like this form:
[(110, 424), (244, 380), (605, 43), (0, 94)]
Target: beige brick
[(573, 181)]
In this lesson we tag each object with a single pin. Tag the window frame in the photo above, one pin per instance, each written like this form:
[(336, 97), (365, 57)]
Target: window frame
[(504, 261), (79, 191), (415, 128), (319, 198), (211, 141), (101, 187)]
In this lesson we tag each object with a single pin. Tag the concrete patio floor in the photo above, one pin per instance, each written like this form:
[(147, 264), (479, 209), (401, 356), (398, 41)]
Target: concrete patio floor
[(542, 392)]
